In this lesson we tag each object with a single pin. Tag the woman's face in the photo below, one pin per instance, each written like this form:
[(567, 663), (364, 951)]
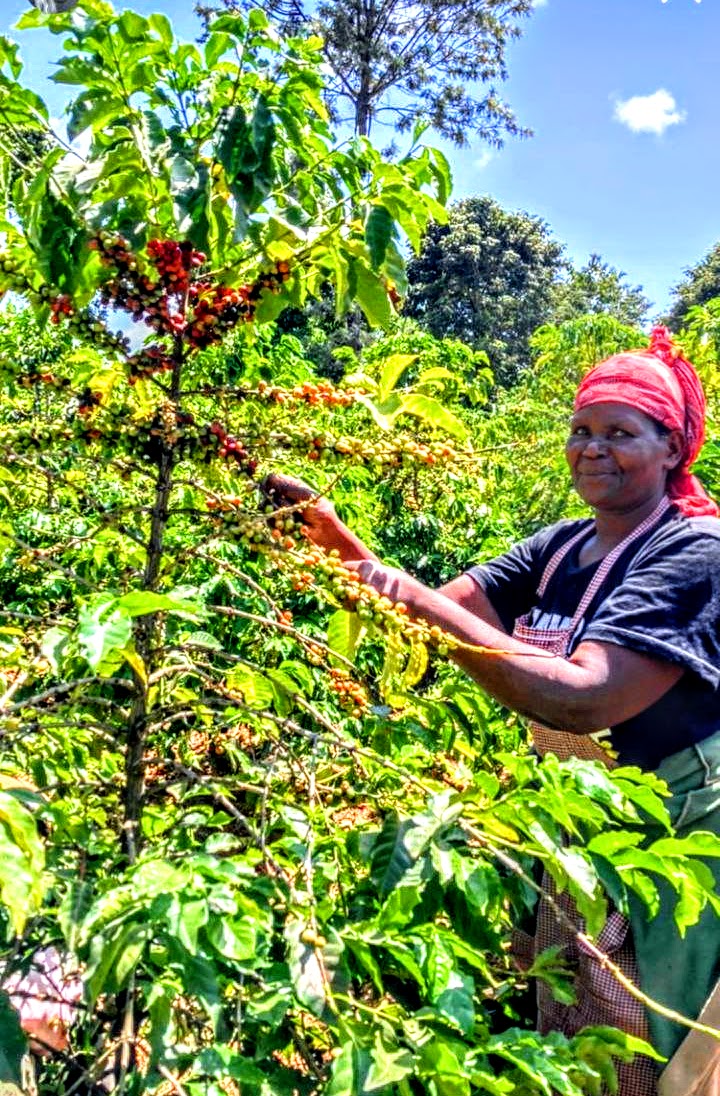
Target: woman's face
[(618, 459)]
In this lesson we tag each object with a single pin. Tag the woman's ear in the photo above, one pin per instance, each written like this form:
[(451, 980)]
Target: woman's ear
[(675, 449)]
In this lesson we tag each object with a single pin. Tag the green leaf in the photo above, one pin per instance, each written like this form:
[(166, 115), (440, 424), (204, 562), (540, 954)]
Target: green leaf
[(379, 230), (257, 691), (12, 1042), (185, 917), (439, 1064), (345, 630), (417, 664), (371, 295), (162, 27), (143, 602), (387, 1066), (22, 860), (698, 843), (109, 967), (316, 973), (349, 1070), (54, 642), (432, 412), (245, 152), (236, 940), (99, 639), (624, 1045), (391, 856), (393, 369)]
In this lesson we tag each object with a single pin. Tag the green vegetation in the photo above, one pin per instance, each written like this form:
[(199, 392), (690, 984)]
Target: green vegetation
[(280, 837)]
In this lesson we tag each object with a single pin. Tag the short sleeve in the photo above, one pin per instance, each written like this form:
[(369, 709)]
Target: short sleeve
[(511, 580), (668, 603)]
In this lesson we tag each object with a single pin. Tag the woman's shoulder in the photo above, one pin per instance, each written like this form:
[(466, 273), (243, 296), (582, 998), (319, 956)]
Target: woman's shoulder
[(689, 538), (552, 537), (679, 529)]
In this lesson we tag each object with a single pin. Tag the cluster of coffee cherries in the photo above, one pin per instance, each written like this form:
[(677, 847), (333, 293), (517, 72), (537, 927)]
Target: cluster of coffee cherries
[(174, 261), (219, 308), (39, 437), (148, 362), (235, 521), (31, 378), (350, 693), (60, 306), (230, 448), (179, 301), (159, 301), (166, 427), (346, 587), (308, 392), (87, 401), (82, 320), (327, 447)]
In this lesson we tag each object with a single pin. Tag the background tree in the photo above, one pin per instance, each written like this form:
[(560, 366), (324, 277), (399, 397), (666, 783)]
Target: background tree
[(53, 7), (598, 287), (436, 61), (488, 277), (700, 284)]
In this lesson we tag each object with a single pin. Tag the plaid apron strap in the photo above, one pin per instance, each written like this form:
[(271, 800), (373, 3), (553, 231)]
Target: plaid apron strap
[(563, 743)]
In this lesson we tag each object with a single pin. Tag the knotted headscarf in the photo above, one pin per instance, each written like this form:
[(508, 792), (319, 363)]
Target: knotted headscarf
[(660, 382)]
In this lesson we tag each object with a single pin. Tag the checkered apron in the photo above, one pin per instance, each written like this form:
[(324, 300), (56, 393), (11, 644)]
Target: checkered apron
[(591, 747), (600, 999)]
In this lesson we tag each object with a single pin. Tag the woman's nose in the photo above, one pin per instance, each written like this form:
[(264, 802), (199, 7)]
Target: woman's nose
[(595, 447)]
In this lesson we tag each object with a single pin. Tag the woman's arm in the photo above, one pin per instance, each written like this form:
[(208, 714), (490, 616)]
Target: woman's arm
[(466, 593), (325, 529), (317, 514), (600, 685)]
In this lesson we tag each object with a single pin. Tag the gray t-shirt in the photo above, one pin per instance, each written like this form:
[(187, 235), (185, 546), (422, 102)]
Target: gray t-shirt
[(661, 598)]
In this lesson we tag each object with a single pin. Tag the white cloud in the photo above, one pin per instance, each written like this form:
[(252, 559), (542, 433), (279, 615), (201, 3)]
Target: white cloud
[(542, 3), (649, 113), (482, 161)]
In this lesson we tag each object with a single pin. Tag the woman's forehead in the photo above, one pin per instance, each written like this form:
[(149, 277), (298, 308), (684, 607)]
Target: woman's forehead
[(610, 412)]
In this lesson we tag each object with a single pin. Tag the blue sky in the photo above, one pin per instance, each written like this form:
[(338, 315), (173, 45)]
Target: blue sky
[(622, 96)]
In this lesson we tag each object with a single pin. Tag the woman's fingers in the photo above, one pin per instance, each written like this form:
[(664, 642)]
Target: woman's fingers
[(283, 490)]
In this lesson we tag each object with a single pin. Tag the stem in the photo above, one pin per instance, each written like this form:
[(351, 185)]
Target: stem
[(146, 639)]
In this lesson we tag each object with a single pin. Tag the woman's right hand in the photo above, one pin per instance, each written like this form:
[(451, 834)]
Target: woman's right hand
[(318, 515)]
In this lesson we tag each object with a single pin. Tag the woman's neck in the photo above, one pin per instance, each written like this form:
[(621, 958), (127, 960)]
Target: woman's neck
[(612, 527)]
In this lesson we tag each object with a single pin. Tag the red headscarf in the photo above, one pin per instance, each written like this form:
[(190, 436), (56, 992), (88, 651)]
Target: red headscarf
[(660, 382)]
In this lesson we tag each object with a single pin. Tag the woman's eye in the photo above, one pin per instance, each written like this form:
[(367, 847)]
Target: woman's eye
[(618, 432), (578, 431)]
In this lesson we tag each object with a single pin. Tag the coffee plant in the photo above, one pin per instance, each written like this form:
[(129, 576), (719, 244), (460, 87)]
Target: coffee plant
[(258, 835)]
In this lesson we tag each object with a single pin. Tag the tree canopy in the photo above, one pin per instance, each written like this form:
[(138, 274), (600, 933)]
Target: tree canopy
[(487, 277), (700, 284), (598, 287), (437, 62)]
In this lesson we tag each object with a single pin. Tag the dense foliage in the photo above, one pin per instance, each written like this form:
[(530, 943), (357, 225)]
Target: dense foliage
[(598, 288), (488, 277), (700, 284), (276, 842)]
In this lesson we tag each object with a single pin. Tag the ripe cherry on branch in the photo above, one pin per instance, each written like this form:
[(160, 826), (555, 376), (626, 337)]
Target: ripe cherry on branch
[(199, 311)]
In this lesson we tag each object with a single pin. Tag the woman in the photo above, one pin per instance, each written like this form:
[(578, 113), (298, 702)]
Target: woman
[(627, 606)]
